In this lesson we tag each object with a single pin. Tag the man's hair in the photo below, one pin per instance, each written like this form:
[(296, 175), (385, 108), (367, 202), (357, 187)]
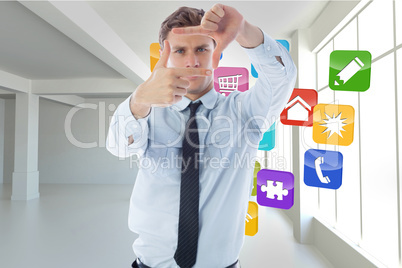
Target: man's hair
[(183, 17)]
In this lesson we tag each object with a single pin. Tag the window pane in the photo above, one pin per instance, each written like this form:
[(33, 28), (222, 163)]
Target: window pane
[(398, 19), (399, 76), (347, 38), (378, 164), (323, 65), (327, 196), (348, 195), (376, 27)]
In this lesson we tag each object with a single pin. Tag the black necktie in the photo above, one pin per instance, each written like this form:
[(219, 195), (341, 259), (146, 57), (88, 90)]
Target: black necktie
[(186, 252)]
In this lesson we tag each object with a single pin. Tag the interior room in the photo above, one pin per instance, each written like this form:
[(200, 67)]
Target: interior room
[(66, 66)]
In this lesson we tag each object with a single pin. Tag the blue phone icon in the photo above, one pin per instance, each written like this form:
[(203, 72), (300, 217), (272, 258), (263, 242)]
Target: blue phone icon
[(323, 168)]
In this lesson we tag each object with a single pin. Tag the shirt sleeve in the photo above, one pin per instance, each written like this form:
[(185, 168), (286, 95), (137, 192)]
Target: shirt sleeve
[(263, 103), (122, 125)]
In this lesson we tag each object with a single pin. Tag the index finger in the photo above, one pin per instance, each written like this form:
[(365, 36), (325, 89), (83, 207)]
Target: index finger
[(191, 30), (186, 72)]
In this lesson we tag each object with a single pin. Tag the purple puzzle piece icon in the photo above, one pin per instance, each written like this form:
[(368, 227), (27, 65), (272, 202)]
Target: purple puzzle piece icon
[(275, 188)]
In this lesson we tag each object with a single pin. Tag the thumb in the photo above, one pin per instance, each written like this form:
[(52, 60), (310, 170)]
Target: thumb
[(216, 55), (165, 55)]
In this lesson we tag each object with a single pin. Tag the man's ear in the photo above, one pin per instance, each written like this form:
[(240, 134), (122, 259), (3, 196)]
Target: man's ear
[(160, 53)]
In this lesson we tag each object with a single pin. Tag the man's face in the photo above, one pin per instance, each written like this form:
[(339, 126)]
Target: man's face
[(192, 51)]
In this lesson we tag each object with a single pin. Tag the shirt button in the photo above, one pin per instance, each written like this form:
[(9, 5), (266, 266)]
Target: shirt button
[(268, 47), (135, 126)]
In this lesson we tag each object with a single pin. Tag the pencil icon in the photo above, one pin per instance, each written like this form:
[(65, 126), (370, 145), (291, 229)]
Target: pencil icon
[(350, 70)]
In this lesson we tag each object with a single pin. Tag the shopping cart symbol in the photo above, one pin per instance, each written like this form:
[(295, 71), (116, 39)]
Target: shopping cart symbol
[(230, 79), (229, 83)]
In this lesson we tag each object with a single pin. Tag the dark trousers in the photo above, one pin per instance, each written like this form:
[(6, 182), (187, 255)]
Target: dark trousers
[(138, 264)]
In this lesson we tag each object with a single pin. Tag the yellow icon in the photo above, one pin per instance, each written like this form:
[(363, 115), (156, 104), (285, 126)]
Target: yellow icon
[(154, 52), (257, 168), (252, 219), (333, 124)]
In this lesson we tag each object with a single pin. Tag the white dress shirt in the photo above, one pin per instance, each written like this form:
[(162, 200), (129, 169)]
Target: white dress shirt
[(230, 129)]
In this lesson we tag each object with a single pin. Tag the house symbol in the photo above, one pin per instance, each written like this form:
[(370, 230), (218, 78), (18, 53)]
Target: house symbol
[(297, 109)]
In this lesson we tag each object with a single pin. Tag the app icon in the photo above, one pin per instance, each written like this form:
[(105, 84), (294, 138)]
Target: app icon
[(333, 124), (254, 72), (284, 43), (323, 168), (275, 188), (268, 139), (299, 110), (229, 79), (252, 219), (257, 168), (154, 52), (349, 70)]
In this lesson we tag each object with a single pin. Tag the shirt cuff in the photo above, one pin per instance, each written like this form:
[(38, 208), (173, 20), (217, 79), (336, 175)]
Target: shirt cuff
[(133, 126), (265, 53)]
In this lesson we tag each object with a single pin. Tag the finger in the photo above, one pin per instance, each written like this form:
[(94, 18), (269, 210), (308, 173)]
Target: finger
[(209, 25), (211, 16), (177, 99), (186, 72), (163, 105), (165, 55), (193, 30), (216, 55), (181, 84), (180, 92), (218, 9)]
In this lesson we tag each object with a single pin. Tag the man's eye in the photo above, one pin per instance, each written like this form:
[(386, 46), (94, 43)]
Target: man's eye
[(180, 51), (201, 49)]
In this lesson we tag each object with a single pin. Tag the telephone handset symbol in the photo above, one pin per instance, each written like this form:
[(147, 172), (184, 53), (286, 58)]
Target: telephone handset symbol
[(318, 162)]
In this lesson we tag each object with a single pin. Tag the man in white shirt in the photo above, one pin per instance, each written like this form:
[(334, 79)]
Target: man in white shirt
[(157, 124)]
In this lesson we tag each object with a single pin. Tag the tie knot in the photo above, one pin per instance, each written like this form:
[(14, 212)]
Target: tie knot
[(193, 107)]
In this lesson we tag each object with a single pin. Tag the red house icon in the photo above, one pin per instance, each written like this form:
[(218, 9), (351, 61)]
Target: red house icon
[(299, 110)]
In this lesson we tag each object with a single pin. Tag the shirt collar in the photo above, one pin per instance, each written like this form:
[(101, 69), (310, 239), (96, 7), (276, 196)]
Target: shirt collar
[(208, 100)]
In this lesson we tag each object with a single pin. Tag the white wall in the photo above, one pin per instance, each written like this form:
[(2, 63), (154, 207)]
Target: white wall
[(61, 160), (2, 110), (9, 130)]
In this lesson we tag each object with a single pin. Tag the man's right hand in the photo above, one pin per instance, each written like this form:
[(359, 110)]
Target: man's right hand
[(165, 86)]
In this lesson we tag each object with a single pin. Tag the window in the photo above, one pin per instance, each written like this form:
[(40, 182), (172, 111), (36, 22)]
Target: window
[(366, 208), (378, 163), (376, 28), (398, 21), (322, 65)]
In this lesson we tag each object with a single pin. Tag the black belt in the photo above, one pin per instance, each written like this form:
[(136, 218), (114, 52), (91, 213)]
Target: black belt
[(138, 264)]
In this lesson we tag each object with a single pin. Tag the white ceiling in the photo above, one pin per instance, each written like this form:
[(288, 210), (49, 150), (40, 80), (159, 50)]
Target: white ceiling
[(138, 22), (32, 48)]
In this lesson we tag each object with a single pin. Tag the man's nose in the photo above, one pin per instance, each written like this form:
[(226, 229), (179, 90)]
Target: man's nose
[(192, 60)]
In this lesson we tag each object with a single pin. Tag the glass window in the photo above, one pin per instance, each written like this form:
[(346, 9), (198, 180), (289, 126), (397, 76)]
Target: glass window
[(378, 164), (323, 65), (347, 38), (376, 27), (348, 195), (399, 76), (398, 20), (327, 196)]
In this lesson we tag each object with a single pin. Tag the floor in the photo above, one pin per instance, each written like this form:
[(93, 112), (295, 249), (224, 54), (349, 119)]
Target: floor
[(85, 226)]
